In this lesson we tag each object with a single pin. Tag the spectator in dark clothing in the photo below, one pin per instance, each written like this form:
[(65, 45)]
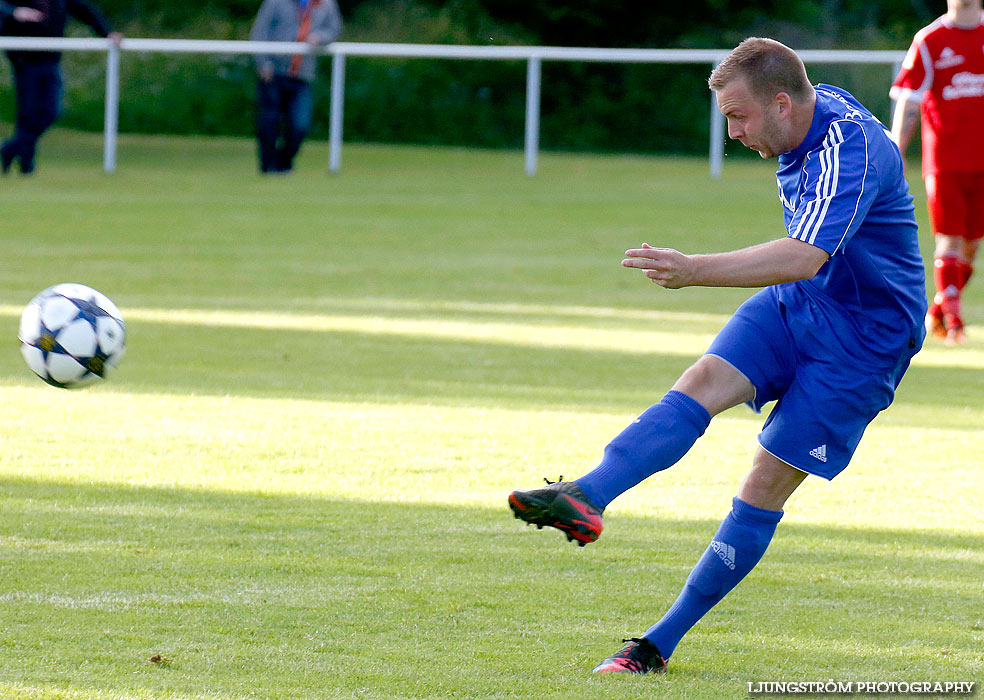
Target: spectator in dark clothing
[(283, 102), (37, 74)]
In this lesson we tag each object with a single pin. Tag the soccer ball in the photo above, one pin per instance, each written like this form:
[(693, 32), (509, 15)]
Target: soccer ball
[(71, 335)]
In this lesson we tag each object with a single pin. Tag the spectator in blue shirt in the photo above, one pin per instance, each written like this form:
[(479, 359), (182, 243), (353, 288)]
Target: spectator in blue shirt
[(828, 338)]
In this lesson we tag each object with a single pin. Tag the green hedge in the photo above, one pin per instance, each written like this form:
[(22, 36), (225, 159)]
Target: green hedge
[(602, 107)]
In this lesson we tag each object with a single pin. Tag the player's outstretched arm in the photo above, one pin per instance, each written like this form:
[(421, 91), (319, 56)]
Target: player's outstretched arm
[(904, 121), (775, 262)]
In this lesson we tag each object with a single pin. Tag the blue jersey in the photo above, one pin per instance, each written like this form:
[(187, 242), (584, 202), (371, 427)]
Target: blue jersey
[(842, 190)]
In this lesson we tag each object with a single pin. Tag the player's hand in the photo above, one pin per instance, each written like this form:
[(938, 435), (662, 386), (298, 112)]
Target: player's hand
[(266, 73), (664, 266), (116, 38), (28, 14)]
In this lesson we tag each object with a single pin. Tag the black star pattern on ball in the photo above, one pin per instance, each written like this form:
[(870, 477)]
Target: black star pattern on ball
[(89, 309)]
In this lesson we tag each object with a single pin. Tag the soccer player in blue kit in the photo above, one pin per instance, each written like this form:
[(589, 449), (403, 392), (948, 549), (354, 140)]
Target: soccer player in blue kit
[(828, 338)]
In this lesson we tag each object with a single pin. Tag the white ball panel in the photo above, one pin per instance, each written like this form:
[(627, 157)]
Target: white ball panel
[(34, 359), (73, 290), (56, 311), (78, 338), (30, 324), (63, 369), (110, 334)]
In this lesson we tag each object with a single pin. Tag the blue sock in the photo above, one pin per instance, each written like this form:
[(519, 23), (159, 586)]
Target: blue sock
[(656, 440), (735, 550)]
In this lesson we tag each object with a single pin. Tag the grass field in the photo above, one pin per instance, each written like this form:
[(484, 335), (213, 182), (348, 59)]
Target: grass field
[(295, 485)]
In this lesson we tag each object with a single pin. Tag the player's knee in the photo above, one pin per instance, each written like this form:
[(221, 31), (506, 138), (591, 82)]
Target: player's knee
[(948, 245), (696, 381), (715, 384)]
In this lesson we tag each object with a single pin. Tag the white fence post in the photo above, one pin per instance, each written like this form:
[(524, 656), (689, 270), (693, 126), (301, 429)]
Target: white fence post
[(717, 138), (896, 69), (532, 143), (337, 112), (111, 119)]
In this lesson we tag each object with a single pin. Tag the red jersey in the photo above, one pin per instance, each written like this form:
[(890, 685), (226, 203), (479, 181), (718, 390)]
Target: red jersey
[(944, 70)]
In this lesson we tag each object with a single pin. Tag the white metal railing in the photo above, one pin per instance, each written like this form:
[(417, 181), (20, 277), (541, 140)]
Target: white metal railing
[(533, 55)]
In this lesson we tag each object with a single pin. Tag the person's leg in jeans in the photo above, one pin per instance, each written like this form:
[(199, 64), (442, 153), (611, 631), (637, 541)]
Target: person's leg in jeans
[(299, 106), (43, 92), (10, 150), (268, 101), (38, 88)]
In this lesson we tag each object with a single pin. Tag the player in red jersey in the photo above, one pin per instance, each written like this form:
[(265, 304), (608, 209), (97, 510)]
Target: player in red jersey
[(943, 79)]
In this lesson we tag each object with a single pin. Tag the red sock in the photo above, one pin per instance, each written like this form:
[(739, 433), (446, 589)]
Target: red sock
[(966, 270), (949, 276)]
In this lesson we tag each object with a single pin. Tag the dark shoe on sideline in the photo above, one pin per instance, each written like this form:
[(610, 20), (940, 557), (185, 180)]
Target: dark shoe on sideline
[(6, 159), (560, 504), (638, 656)]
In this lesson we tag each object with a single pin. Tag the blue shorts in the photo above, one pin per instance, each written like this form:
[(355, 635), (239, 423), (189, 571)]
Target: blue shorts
[(827, 391)]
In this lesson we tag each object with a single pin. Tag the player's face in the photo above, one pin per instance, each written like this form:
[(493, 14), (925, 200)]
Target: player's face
[(756, 125)]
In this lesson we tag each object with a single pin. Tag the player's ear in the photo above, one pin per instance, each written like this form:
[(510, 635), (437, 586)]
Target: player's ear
[(784, 104)]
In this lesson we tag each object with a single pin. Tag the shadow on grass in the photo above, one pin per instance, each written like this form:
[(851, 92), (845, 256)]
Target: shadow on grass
[(295, 596)]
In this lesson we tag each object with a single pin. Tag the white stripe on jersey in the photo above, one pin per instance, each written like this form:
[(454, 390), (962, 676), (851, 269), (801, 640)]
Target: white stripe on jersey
[(918, 50), (831, 187), (928, 67), (826, 187), (816, 210), (811, 207), (812, 202)]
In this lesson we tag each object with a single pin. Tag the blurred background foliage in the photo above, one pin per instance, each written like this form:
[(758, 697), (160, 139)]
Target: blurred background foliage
[(592, 107)]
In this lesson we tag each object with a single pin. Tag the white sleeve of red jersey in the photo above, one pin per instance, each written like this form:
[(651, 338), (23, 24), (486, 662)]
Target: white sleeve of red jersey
[(916, 76)]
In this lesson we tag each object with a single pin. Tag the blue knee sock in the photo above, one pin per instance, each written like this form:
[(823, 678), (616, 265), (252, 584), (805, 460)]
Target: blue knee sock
[(656, 440), (735, 550)]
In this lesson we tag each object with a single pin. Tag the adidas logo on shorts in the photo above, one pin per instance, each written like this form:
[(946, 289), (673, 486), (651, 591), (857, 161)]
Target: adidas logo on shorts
[(726, 552), (820, 453)]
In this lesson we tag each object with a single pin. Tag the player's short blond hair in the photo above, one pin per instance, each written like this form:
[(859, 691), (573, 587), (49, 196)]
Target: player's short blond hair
[(768, 66)]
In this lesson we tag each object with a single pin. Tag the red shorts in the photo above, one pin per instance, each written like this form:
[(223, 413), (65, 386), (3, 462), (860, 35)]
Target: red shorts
[(956, 204)]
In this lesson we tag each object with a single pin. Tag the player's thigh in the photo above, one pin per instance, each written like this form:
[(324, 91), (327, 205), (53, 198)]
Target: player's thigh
[(757, 343)]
